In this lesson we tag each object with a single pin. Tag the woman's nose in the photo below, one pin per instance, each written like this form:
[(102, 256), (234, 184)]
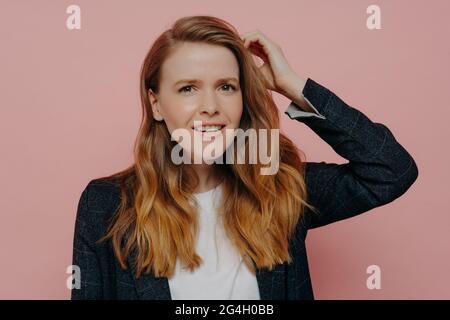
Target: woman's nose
[(208, 103)]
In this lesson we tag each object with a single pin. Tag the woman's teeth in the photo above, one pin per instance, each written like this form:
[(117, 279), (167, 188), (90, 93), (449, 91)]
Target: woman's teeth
[(208, 128)]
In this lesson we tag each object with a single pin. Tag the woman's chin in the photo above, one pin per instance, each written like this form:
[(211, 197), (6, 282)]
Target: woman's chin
[(207, 155)]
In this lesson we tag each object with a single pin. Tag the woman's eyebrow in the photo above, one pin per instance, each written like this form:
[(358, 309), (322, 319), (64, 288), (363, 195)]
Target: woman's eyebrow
[(196, 81)]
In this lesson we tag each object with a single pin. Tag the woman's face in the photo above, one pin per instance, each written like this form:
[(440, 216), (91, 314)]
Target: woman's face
[(200, 82)]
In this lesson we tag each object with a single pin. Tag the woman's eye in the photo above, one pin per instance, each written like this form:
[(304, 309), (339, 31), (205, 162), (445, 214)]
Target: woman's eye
[(230, 86), (182, 89)]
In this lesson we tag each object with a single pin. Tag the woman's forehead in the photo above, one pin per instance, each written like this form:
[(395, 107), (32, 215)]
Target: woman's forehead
[(200, 61)]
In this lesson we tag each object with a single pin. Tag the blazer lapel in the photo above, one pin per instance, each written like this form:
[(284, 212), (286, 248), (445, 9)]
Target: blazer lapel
[(149, 287), (272, 284)]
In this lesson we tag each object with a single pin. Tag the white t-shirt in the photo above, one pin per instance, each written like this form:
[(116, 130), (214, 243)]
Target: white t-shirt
[(223, 275)]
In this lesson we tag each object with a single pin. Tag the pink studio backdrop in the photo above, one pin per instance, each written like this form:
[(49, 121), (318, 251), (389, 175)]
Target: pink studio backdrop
[(70, 111)]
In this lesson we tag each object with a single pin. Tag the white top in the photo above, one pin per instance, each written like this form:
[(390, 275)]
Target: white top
[(223, 275)]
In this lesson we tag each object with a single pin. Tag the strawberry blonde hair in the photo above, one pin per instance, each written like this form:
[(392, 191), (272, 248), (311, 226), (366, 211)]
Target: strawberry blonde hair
[(156, 218)]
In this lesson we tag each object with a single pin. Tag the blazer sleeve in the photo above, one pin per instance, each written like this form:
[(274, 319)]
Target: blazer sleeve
[(378, 170), (84, 252)]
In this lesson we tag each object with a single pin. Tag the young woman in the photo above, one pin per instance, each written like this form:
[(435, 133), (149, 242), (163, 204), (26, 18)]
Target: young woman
[(162, 229)]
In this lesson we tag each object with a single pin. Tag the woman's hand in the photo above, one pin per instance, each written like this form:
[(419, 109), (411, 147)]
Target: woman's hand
[(278, 74)]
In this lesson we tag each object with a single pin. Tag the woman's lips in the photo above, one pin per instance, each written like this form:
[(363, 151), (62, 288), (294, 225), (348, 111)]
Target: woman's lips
[(210, 134)]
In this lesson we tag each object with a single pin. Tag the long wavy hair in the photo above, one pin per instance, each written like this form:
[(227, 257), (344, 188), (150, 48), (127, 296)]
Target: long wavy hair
[(157, 216)]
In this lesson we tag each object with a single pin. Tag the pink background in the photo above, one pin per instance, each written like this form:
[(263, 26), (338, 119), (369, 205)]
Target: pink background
[(70, 112)]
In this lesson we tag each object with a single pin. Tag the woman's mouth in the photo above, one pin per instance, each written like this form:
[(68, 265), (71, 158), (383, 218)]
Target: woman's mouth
[(209, 131)]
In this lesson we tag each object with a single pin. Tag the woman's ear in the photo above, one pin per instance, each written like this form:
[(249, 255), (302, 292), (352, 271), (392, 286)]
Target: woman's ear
[(155, 105)]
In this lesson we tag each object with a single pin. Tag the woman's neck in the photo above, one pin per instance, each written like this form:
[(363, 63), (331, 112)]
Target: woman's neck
[(208, 177)]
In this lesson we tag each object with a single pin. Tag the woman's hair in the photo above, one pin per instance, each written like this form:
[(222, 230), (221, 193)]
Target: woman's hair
[(157, 216)]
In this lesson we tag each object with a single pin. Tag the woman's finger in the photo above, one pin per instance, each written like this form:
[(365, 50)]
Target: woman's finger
[(257, 35), (257, 44), (259, 51)]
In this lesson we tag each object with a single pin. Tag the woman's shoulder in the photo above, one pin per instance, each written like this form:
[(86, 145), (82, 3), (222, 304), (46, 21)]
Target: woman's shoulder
[(102, 194), (98, 202)]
